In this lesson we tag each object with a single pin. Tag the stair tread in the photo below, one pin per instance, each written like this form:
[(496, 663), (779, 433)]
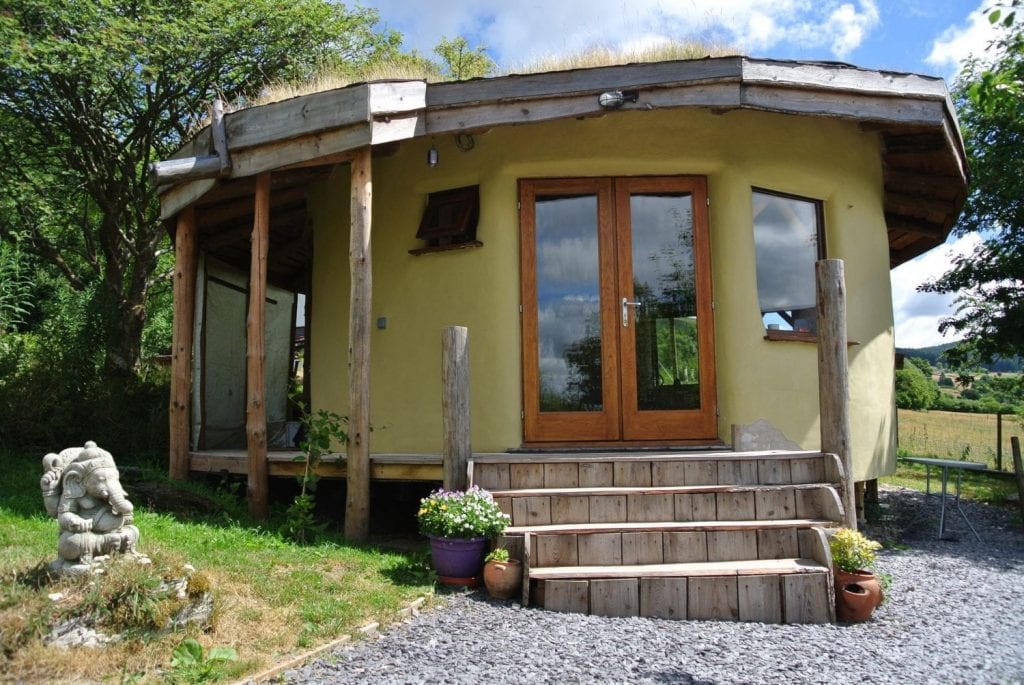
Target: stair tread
[(635, 526), (548, 457), (697, 568), (654, 490)]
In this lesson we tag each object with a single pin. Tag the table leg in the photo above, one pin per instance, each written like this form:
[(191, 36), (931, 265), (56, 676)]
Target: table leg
[(960, 509), (942, 506)]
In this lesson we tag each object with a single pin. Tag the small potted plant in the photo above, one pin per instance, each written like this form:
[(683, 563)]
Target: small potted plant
[(502, 576), (858, 591), (459, 523)]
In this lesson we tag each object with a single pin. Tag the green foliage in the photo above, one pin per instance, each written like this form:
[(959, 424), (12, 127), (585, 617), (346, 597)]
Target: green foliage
[(851, 551), (190, 664), (497, 554), (461, 514), (923, 364), (914, 390), (460, 62), (989, 282), (321, 430)]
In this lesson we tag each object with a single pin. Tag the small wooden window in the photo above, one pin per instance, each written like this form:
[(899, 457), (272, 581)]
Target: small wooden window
[(450, 219)]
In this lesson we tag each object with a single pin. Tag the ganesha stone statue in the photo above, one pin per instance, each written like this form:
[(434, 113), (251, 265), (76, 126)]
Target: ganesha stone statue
[(82, 489)]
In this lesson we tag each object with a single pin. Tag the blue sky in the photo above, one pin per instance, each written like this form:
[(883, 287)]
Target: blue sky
[(921, 36)]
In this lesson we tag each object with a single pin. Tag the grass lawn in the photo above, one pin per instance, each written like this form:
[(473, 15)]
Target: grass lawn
[(273, 598), (973, 485), (955, 435)]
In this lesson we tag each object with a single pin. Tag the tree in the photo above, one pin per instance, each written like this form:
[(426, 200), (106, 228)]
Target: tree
[(913, 389), (990, 282), (460, 62), (90, 92)]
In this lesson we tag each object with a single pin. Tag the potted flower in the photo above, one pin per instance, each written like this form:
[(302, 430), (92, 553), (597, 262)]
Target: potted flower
[(459, 524), (857, 589), (502, 576)]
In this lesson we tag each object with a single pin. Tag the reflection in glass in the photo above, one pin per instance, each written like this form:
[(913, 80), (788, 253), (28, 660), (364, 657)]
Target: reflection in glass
[(786, 240), (665, 326), (568, 304)]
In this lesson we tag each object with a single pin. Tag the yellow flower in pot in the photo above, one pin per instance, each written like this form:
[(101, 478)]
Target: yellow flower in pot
[(857, 589)]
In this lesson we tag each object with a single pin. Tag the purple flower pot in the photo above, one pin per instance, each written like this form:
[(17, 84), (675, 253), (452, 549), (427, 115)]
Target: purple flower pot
[(457, 558)]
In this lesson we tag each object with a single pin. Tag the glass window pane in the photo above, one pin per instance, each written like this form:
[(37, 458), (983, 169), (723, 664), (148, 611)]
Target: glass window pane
[(665, 327), (786, 242), (568, 304)]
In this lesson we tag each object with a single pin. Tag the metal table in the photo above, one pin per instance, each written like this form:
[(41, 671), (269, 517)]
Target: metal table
[(945, 465)]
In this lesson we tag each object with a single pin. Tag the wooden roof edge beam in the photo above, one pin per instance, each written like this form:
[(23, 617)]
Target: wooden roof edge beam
[(198, 167)]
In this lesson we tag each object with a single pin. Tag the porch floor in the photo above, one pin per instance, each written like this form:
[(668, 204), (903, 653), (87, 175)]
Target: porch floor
[(288, 463)]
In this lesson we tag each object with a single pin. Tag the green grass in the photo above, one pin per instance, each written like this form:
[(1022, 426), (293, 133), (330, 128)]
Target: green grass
[(973, 485), (273, 598), (955, 435)]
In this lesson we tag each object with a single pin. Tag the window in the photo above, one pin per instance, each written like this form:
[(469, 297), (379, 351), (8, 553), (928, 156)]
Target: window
[(450, 219), (788, 240)]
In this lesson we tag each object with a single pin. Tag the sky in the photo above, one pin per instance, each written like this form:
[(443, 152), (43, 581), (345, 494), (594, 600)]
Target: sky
[(920, 36)]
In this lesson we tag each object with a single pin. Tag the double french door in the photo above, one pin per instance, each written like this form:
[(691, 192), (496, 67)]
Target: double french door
[(618, 336)]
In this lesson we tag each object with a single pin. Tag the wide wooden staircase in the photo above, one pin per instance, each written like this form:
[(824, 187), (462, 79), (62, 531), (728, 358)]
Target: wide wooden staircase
[(727, 536)]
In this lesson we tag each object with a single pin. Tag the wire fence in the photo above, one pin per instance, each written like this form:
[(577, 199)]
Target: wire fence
[(983, 438)]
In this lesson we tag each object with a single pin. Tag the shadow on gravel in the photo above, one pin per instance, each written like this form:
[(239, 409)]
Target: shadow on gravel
[(675, 676)]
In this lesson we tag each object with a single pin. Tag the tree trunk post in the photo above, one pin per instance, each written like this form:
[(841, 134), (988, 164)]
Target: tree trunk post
[(258, 485), (357, 466), (1019, 469), (834, 377), (999, 441), (455, 406), (184, 288)]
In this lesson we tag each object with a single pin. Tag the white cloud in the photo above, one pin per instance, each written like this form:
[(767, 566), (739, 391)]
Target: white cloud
[(521, 32), (958, 43), (917, 314)]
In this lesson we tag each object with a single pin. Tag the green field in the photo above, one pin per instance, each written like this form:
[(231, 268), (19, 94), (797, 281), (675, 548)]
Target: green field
[(954, 435)]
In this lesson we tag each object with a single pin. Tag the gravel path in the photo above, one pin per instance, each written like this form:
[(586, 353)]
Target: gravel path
[(955, 614)]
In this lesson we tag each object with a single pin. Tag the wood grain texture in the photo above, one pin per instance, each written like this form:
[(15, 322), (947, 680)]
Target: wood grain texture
[(615, 597), (663, 597), (258, 481), (760, 598), (184, 294), (455, 402)]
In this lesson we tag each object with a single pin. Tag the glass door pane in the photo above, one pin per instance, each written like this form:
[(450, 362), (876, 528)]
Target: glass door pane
[(568, 304), (665, 302)]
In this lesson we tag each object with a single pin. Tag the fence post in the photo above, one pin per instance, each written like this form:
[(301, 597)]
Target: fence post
[(999, 441), (1019, 469), (455, 406), (834, 375)]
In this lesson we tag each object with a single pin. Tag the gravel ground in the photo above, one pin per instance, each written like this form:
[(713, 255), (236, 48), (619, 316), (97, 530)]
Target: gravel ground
[(953, 615)]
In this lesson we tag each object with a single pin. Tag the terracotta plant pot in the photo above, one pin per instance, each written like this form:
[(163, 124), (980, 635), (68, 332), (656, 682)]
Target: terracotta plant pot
[(857, 594), (503, 578)]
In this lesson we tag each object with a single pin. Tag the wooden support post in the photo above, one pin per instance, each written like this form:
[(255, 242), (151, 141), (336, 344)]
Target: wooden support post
[(1019, 469), (258, 486), (184, 288), (357, 503), (833, 375), (455, 406), (999, 441)]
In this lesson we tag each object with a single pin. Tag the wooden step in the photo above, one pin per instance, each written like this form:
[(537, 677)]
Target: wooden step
[(786, 591), (671, 526), (543, 506), (509, 471)]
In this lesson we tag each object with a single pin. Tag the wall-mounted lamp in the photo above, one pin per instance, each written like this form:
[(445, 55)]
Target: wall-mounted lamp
[(613, 99), (432, 157)]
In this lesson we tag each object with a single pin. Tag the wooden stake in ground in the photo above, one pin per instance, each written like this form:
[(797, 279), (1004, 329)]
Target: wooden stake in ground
[(357, 502), (1019, 469), (455, 405)]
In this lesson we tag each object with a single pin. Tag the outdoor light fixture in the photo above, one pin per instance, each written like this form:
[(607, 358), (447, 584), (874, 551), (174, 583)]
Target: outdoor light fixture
[(432, 157), (613, 99)]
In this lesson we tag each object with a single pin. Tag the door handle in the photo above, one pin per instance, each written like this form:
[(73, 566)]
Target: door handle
[(626, 304)]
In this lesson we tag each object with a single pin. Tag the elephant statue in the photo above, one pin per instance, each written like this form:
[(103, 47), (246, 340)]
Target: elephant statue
[(82, 489)]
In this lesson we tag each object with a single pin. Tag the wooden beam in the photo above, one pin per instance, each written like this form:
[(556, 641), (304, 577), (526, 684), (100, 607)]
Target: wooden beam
[(834, 375), (455, 406), (258, 485), (184, 289), (357, 503), (220, 138)]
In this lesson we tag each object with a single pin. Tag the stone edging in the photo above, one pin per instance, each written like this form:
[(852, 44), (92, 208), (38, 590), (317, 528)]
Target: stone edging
[(367, 630)]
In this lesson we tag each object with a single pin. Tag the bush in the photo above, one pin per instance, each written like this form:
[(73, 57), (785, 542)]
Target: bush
[(913, 389)]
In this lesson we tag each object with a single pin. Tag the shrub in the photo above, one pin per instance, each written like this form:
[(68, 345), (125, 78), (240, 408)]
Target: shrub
[(851, 551), (913, 389)]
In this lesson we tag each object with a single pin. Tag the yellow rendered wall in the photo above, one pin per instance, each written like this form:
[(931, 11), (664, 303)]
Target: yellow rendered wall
[(825, 159)]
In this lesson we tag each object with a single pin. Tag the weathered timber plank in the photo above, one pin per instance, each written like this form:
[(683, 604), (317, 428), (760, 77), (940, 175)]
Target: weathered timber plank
[(570, 509), (455, 403), (663, 597), (774, 471), (778, 544), (683, 507), (735, 506), (650, 508), (571, 596), (531, 511), (760, 598), (561, 476), (184, 297), (528, 549), (758, 567), (631, 473), (526, 476), (669, 526), (611, 458), (732, 545), (713, 598), (600, 549), (703, 472), (775, 504), (807, 470), (596, 474), (642, 548), (668, 473), (737, 472), (555, 550), (806, 598), (607, 509), (491, 476), (615, 597), (652, 490), (181, 196), (685, 547), (705, 507), (819, 503)]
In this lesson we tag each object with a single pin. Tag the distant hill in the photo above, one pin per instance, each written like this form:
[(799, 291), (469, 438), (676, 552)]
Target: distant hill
[(932, 354)]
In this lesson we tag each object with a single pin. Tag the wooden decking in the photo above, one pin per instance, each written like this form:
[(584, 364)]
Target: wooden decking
[(287, 463)]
